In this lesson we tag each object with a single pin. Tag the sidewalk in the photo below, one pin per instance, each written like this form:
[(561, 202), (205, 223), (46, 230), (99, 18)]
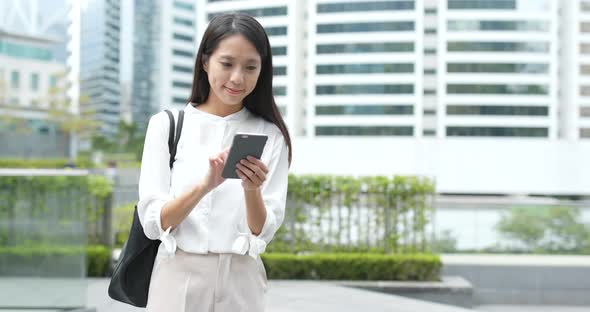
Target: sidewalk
[(296, 296)]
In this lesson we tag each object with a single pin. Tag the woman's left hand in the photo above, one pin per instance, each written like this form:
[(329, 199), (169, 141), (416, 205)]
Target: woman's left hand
[(252, 172)]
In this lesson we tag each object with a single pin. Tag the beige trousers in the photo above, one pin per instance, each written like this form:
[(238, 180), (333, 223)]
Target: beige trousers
[(207, 283)]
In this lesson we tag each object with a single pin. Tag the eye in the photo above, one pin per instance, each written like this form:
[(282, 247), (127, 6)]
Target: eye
[(251, 67), (224, 64)]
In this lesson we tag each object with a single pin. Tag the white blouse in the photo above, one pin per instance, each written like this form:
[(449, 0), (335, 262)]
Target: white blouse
[(218, 222)]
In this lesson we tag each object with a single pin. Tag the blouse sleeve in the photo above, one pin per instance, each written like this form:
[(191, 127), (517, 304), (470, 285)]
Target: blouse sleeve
[(274, 191), (154, 178)]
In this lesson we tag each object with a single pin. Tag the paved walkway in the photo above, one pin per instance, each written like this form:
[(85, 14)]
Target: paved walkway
[(296, 296)]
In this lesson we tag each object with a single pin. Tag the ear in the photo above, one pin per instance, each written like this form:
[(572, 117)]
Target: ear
[(205, 64)]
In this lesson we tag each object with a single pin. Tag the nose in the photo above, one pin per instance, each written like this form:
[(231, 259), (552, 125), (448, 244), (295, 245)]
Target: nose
[(237, 77)]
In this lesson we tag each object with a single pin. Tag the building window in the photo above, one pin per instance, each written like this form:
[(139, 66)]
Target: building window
[(430, 31), (276, 31), (532, 68), (496, 89), (365, 89), (279, 70), (261, 12), (179, 84), (429, 112), (584, 111), (365, 47), (430, 11), (363, 109), (585, 132), (278, 51), (188, 54), (497, 132), (531, 5), (183, 21), (497, 110), (183, 37), (429, 91), (429, 132), (365, 27), (364, 68), (15, 79), (179, 100), (183, 6), (585, 90), (585, 27), (430, 71), (364, 131), (365, 6), (279, 91), (480, 46), (429, 51), (490, 25), (35, 82), (182, 69)]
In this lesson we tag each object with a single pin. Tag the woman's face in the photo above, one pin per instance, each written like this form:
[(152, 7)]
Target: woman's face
[(233, 69)]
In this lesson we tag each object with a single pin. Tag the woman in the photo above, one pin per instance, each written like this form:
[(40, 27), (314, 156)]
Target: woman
[(213, 230)]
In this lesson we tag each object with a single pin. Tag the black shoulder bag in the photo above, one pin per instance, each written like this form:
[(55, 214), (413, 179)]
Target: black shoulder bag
[(130, 282)]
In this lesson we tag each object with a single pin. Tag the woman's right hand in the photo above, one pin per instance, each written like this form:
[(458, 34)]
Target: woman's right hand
[(213, 177)]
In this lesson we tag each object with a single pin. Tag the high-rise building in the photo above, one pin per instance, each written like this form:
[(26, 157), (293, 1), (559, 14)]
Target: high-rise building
[(365, 68), (575, 75), (99, 55), (285, 24), (500, 62), (32, 45)]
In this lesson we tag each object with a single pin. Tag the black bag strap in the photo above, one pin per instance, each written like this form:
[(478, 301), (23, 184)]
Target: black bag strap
[(172, 139)]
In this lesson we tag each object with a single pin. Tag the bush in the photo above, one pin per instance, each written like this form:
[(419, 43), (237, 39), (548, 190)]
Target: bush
[(394, 267), (53, 163), (42, 260)]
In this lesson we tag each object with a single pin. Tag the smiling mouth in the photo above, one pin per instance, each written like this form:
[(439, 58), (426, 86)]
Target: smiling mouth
[(233, 91)]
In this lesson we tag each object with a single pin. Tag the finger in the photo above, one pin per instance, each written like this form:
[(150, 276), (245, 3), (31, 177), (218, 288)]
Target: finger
[(257, 170), (258, 163), (247, 171), (252, 179)]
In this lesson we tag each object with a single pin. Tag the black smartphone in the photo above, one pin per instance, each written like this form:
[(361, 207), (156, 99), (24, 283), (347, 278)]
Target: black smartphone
[(243, 145)]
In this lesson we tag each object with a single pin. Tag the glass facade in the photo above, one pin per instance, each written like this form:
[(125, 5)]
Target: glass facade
[(365, 68), (24, 51), (497, 110), (276, 31), (365, 27), (535, 47), (279, 91), (365, 6), (260, 12), (15, 79), (476, 25), (365, 47), (364, 130), (35, 81), (497, 131), (513, 5), (365, 89), (363, 109), (184, 5), (533, 68), (497, 89)]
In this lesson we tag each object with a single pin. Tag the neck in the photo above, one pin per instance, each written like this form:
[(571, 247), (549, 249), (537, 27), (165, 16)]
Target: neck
[(214, 107)]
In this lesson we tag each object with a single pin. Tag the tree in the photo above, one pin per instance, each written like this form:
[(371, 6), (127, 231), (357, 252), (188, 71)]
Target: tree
[(75, 123), (546, 229)]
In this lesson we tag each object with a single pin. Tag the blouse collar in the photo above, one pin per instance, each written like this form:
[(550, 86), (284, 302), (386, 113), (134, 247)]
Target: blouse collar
[(239, 115)]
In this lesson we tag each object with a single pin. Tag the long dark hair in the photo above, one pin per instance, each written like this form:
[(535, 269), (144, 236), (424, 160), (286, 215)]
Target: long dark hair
[(260, 101)]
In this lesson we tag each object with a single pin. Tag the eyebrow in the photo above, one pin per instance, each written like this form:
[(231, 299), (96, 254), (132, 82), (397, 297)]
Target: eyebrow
[(231, 58)]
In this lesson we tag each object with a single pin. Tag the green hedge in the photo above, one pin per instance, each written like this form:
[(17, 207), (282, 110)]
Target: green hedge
[(43, 260), (43, 163), (395, 267)]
